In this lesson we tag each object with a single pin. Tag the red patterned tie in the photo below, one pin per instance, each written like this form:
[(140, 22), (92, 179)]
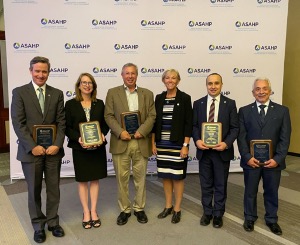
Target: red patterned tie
[(211, 116)]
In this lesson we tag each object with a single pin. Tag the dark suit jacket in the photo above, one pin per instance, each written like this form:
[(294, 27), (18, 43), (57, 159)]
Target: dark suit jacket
[(26, 112), (116, 103), (277, 127), (75, 115), (227, 116), (182, 121)]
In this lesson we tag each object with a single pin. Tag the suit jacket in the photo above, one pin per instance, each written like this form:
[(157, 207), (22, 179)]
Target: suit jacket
[(277, 127), (75, 115), (116, 103), (26, 112), (227, 116), (182, 121)]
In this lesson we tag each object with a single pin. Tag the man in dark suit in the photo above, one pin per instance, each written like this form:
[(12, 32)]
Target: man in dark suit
[(27, 111), (263, 120), (130, 150), (214, 162)]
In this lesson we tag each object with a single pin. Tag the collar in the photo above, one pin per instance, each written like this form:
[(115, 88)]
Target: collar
[(266, 104), (36, 86), (217, 98), (126, 88)]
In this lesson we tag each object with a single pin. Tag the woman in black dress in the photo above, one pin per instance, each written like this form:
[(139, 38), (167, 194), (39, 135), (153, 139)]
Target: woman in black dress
[(170, 141), (90, 163)]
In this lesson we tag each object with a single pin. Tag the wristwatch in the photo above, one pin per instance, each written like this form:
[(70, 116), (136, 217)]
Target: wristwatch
[(186, 144)]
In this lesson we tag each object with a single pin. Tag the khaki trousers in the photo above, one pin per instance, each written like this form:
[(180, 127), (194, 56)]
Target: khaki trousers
[(131, 158)]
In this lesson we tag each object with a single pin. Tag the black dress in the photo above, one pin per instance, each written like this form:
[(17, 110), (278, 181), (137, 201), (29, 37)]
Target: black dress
[(88, 164)]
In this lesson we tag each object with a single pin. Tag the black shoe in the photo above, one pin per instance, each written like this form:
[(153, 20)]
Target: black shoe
[(57, 231), (248, 225), (123, 218), (176, 217), (39, 236), (141, 216), (275, 228), (217, 221), (165, 213), (205, 219)]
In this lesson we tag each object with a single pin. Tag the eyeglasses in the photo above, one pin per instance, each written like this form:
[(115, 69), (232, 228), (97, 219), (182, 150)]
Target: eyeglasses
[(86, 83)]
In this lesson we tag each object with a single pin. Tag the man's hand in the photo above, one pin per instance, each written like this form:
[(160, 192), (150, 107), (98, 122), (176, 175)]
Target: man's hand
[(137, 135), (253, 163), (52, 150), (125, 135), (200, 144), (220, 147), (271, 164), (38, 151)]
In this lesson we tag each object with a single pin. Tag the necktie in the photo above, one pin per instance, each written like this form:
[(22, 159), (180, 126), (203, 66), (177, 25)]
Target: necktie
[(211, 116), (262, 113), (41, 99)]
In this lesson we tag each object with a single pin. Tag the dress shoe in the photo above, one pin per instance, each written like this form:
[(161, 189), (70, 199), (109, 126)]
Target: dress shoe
[(275, 228), (57, 230), (248, 225), (205, 219), (39, 236), (141, 216), (165, 213), (217, 221), (176, 217), (123, 218)]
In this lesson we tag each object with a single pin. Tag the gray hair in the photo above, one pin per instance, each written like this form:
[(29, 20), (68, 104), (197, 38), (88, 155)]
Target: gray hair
[(130, 65), (263, 79)]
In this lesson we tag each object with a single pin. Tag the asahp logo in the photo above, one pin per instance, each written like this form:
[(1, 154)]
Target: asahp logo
[(70, 93), (244, 72), (265, 49), (77, 47), (220, 49), (126, 48), (104, 22), (52, 22), (153, 22), (268, 1), (193, 23), (152, 72), (26, 46), (173, 48), (198, 72), (239, 24), (222, 3), (105, 71), (58, 72)]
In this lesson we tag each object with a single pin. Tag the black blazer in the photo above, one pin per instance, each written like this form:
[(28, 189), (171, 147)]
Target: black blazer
[(75, 115), (277, 127), (227, 116), (182, 117)]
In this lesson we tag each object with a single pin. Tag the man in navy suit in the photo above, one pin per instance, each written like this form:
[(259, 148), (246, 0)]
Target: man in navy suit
[(265, 120), (214, 162), (26, 111)]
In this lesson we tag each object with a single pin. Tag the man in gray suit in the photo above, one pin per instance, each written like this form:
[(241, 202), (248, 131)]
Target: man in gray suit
[(263, 120), (129, 149), (27, 111)]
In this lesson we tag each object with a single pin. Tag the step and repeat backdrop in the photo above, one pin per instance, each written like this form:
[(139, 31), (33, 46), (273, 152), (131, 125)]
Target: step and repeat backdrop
[(240, 39)]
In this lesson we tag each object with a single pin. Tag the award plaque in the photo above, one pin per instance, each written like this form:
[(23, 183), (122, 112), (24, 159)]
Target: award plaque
[(211, 134), (261, 150), (131, 121), (90, 133), (44, 135)]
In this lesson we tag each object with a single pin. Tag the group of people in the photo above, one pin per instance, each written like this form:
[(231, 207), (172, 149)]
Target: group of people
[(166, 125)]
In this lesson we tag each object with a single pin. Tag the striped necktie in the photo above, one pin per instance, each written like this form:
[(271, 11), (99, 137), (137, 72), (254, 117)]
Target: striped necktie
[(211, 116), (41, 99)]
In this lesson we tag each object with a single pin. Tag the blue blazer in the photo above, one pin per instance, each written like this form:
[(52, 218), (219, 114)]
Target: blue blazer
[(277, 127), (227, 116)]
